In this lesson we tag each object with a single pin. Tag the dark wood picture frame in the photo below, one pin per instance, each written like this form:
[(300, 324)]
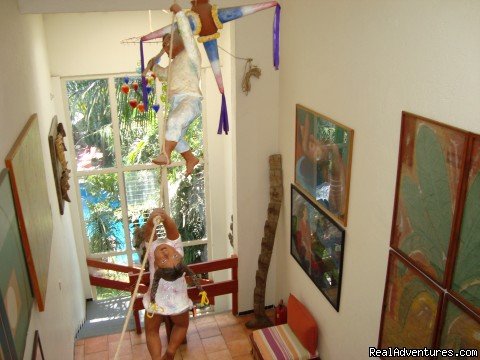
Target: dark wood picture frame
[(321, 237), (37, 352), (466, 250), (396, 258), (461, 255), (411, 233), (29, 185), (324, 174)]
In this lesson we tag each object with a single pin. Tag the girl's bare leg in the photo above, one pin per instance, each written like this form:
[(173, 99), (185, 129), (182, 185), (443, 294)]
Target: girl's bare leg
[(179, 332), (164, 158), (190, 161), (152, 328)]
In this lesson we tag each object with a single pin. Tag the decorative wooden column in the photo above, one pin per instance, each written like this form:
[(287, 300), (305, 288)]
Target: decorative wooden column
[(276, 195)]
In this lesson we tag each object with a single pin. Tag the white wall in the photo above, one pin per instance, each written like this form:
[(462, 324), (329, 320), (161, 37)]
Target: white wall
[(25, 90), (256, 138), (362, 63)]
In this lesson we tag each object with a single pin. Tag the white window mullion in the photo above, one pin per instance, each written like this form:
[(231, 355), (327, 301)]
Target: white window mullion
[(195, 242), (163, 170), (164, 185), (75, 175), (206, 170), (119, 165)]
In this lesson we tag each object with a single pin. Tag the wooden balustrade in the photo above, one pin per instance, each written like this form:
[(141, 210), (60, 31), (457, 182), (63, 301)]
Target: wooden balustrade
[(212, 288)]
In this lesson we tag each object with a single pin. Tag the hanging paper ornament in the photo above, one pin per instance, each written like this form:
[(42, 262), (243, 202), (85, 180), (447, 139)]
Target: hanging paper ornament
[(141, 107), (125, 88), (151, 80), (156, 107), (133, 103), (149, 89), (135, 86), (126, 79)]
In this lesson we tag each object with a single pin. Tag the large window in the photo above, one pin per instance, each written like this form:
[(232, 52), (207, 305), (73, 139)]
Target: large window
[(114, 140)]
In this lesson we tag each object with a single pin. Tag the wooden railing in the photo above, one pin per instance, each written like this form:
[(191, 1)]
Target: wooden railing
[(212, 288), (109, 283)]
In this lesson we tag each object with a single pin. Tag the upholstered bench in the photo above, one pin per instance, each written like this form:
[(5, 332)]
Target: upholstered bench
[(295, 340)]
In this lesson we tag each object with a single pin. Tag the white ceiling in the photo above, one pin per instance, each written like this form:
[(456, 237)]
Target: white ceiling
[(74, 6)]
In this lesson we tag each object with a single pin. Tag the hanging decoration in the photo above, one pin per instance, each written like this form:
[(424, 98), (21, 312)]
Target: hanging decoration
[(205, 20), (125, 88)]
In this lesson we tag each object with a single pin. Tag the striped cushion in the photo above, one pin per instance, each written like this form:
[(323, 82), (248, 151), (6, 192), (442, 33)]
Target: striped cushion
[(279, 343)]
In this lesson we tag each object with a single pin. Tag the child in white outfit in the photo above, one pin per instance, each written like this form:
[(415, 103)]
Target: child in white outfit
[(171, 297), (184, 95)]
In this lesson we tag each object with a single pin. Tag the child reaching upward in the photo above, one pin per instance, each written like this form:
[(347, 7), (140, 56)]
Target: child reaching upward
[(184, 95), (167, 295)]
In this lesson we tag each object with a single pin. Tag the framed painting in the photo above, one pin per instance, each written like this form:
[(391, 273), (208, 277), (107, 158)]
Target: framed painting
[(431, 161), (27, 174), (466, 275), (317, 244), (15, 292), (37, 353), (323, 159), (460, 329), (411, 307), (7, 346)]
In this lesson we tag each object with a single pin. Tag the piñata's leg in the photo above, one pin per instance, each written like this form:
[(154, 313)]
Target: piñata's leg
[(212, 52), (232, 13)]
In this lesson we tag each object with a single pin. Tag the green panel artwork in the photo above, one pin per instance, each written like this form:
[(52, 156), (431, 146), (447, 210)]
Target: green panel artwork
[(429, 176), (466, 278), (460, 331), (15, 294), (410, 308)]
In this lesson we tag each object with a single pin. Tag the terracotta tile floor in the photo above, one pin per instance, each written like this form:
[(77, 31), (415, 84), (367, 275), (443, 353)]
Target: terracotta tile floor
[(210, 337)]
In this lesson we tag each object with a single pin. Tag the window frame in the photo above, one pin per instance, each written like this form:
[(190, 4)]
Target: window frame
[(120, 169)]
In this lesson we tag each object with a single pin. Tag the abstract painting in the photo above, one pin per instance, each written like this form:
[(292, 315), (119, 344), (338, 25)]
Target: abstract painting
[(317, 245), (461, 328), (466, 276), (411, 306), (323, 158), (30, 193), (431, 160), (15, 293)]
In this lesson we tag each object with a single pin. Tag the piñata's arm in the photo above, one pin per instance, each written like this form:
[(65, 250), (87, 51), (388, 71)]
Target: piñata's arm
[(185, 30), (157, 34), (236, 12)]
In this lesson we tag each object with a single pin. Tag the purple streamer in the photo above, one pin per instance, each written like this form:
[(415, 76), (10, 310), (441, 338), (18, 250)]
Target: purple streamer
[(276, 37), (144, 81), (223, 123)]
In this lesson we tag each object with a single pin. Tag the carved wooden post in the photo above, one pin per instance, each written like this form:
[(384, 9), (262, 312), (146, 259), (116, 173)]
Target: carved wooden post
[(276, 196)]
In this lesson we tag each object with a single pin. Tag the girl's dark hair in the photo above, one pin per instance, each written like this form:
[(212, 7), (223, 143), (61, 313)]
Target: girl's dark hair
[(156, 280)]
